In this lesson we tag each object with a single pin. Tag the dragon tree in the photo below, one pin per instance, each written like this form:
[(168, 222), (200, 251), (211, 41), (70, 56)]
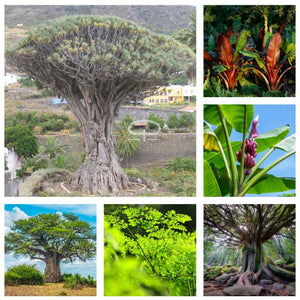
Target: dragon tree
[(96, 62), (53, 239), (248, 227)]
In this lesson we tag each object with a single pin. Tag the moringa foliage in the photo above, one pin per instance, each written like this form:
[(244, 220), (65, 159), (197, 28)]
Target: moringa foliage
[(163, 249)]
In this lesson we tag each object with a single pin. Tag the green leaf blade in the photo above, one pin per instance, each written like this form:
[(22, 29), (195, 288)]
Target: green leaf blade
[(271, 138), (211, 186)]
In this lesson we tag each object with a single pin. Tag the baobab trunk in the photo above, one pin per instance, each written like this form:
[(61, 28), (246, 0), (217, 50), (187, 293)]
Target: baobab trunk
[(101, 172), (52, 270)]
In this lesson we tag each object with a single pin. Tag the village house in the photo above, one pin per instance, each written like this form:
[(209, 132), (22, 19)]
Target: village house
[(165, 95), (170, 94)]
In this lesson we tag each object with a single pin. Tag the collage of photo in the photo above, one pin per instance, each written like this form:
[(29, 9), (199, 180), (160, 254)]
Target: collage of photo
[(127, 127)]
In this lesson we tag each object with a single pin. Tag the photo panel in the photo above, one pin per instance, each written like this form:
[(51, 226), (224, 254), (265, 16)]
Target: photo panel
[(50, 250), (100, 100), (249, 249), (249, 50), (149, 250), (249, 150)]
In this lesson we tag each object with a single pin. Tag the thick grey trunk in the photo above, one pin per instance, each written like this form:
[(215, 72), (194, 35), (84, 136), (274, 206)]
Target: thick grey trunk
[(52, 270), (101, 172)]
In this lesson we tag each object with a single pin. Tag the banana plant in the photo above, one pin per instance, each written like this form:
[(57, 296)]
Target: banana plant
[(272, 59), (230, 168), (226, 59)]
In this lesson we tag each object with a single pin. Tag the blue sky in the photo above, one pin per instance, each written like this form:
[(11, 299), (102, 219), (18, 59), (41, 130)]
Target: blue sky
[(20, 211), (271, 117)]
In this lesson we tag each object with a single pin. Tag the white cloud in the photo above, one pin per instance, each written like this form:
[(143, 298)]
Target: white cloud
[(13, 215)]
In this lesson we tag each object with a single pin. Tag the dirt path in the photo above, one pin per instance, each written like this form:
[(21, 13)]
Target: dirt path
[(48, 289)]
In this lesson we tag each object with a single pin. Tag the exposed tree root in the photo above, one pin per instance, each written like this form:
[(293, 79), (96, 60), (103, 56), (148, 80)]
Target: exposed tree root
[(252, 278)]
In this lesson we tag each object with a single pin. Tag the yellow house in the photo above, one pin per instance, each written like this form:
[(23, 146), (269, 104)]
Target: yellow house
[(165, 95)]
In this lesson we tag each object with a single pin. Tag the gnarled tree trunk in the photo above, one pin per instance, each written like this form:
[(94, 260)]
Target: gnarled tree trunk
[(101, 172), (52, 270), (254, 265)]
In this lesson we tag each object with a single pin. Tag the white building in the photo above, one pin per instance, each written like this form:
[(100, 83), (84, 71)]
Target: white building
[(189, 90), (10, 78)]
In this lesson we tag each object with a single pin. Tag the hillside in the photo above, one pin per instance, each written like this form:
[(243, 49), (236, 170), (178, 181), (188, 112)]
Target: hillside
[(160, 19)]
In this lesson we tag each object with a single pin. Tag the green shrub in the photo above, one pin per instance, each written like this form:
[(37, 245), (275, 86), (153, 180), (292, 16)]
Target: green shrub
[(23, 274), (188, 120), (127, 143), (173, 121), (60, 162), (76, 281), (157, 119), (73, 126), (22, 140), (26, 82), (126, 121), (182, 164)]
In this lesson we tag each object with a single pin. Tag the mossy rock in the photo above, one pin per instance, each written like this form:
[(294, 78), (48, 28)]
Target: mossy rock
[(213, 272), (228, 269), (33, 184)]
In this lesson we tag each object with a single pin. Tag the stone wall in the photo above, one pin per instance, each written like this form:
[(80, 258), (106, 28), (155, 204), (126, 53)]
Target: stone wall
[(163, 147), (142, 113)]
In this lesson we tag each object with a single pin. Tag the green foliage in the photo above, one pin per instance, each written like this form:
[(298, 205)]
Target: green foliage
[(61, 162), (45, 121), (173, 122), (187, 120), (188, 35), (136, 51), (180, 80), (157, 119), (77, 282), (73, 126), (42, 235), (127, 142), (161, 246), (221, 172), (23, 274), (263, 60), (22, 140), (51, 147), (178, 164), (26, 82)]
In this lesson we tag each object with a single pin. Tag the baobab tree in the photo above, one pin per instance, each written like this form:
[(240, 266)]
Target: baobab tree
[(52, 238), (96, 63), (248, 227)]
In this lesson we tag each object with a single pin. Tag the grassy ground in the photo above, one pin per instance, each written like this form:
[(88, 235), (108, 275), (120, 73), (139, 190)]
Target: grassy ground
[(48, 289)]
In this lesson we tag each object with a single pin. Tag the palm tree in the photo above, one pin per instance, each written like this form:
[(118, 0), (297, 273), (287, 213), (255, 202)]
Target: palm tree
[(187, 36), (52, 147)]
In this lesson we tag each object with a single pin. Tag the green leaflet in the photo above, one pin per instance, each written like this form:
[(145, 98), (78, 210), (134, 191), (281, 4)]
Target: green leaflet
[(211, 187), (271, 184), (271, 138)]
